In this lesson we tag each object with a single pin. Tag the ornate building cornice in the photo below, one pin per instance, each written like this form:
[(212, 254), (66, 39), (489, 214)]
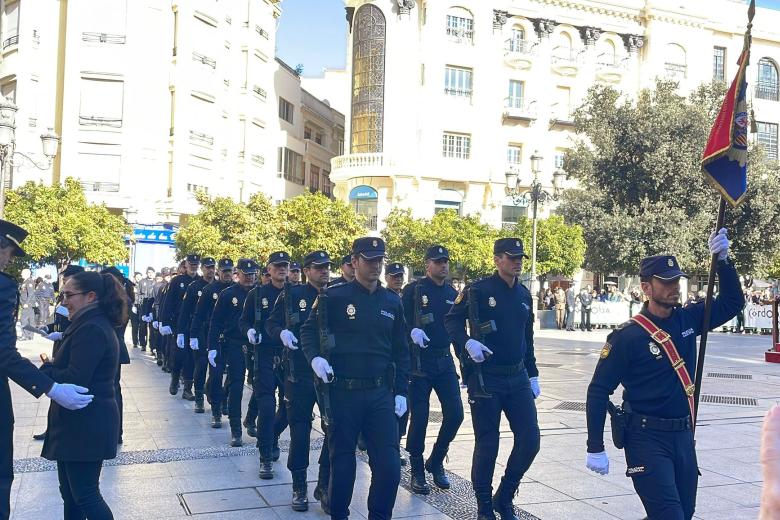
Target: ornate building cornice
[(499, 18)]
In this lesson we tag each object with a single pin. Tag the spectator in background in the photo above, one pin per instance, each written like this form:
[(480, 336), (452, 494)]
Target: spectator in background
[(547, 299), (44, 295), (559, 299), (586, 302), (571, 300)]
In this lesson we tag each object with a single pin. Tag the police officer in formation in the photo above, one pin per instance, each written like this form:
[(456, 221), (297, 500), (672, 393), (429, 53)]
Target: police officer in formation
[(291, 310), (500, 371), (186, 311), (145, 292), (653, 356), (365, 378), (199, 331), (160, 340), (294, 274), (271, 418), (347, 271), (426, 302)]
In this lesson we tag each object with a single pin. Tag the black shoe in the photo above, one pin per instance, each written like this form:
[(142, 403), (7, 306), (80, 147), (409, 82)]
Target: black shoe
[(119, 440), (266, 469), (251, 429), (216, 421), (435, 467), (224, 408), (159, 362), (275, 451), (502, 500), (321, 494), (300, 498), (39, 436), (417, 481), (143, 349), (173, 389), (235, 439), (199, 405), (187, 395), (485, 506)]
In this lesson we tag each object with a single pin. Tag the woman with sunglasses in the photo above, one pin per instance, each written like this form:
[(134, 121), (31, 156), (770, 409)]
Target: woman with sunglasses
[(89, 356)]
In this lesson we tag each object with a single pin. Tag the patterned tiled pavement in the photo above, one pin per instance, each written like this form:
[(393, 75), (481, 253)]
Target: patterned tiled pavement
[(172, 465)]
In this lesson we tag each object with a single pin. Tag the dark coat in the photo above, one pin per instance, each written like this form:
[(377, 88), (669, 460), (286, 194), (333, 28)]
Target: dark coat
[(89, 357)]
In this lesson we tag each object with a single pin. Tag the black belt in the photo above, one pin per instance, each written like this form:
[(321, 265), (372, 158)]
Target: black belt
[(645, 422), (357, 383), (434, 353), (503, 370)]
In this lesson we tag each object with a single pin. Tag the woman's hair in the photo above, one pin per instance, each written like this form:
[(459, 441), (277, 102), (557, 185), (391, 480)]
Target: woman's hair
[(111, 295)]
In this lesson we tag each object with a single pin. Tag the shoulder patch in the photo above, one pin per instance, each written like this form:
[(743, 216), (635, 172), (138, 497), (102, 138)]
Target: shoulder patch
[(459, 298), (605, 350)]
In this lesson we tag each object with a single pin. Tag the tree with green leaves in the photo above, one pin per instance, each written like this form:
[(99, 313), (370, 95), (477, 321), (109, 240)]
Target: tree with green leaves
[(641, 191), (64, 227), (560, 248)]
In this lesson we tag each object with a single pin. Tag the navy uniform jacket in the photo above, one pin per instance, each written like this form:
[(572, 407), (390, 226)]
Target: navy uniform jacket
[(159, 299), (632, 359), (199, 325), (224, 319), (260, 298), (510, 308), (12, 364), (435, 300), (150, 298), (188, 304), (338, 281), (169, 311), (302, 298), (369, 331)]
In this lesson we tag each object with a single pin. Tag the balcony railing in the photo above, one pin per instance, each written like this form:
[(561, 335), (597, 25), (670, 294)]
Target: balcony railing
[(100, 121), (371, 221), (517, 108), (767, 90), (13, 40), (520, 46), (459, 34), (260, 91), (262, 32), (676, 70), (100, 186), (458, 92), (103, 37), (359, 160), (196, 56)]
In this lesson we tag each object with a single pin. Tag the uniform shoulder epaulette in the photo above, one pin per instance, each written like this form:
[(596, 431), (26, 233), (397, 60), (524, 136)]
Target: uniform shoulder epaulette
[(338, 285), (622, 327), (478, 281)]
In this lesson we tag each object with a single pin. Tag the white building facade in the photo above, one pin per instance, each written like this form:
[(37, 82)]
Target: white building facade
[(448, 96)]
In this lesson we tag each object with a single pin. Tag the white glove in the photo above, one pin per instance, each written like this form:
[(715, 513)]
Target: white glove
[(165, 330), (400, 405), (253, 337), (419, 337), (288, 339), (149, 318), (322, 368), (598, 462), (156, 325), (54, 336), (143, 318), (135, 309), (535, 387), (70, 396), (194, 344), (62, 311), (476, 350), (180, 340), (212, 358), (719, 244)]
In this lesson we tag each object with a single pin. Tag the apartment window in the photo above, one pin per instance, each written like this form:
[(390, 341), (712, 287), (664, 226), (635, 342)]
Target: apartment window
[(515, 97), (314, 178), (363, 200), (290, 164), (563, 52), (341, 146), (8, 90), (106, 22), (457, 81), (306, 132), (319, 138), (719, 63), (286, 110), (245, 59), (456, 146), (448, 200), (510, 214), (767, 138), (11, 24), (517, 42), (326, 183), (101, 102), (676, 65), (460, 24), (559, 159), (196, 188), (608, 55), (514, 155), (563, 104), (99, 171), (767, 85)]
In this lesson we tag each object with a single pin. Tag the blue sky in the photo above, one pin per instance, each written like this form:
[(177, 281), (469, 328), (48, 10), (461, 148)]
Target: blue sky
[(313, 33)]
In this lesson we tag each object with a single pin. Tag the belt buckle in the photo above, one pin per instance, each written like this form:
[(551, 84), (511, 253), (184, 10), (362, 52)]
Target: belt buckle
[(660, 336)]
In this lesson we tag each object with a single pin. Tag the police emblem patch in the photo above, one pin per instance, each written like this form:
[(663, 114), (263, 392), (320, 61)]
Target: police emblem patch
[(671, 263), (215, 296), (181, 285), (199, 293), (425, 299), (234, 301), (605, 350), (375, 243), (302, 304), (351, 311), (654, 350), (492, 301), (264, 301)]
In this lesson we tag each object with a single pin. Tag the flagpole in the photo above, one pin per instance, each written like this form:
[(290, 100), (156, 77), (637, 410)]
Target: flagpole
[(707, 313)]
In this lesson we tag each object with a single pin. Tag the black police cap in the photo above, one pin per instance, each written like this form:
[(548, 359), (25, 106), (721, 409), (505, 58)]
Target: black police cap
[(316, 258), (509, 246), (279, 257), (265, 272), (346, 260), (295, 266), (13, 234), (225, 264), (247, 266), (71, 270), (394, 269), (664, 267), (437, 253), (193, 259), (369, 247), (208, 261)]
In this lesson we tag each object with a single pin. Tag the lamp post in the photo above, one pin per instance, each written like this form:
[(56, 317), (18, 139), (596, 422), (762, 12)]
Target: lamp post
[(533, 195), (8, 153)]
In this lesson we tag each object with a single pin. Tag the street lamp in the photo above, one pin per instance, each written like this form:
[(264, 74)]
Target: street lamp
[(532, 196), (50, 142)]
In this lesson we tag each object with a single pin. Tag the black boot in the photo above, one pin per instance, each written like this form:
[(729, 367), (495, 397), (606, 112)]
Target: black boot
[(418, 483), (502, 500), (174, 387), (266, 466), (224, 407), (485, 506), (251, 429), (216, 421), (275, 451), (187, 392), (321, 494), (235, 433), (434, 465), (300, 498), (199, 404)]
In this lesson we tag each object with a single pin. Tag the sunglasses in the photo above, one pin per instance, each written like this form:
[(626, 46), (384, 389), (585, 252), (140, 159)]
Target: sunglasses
[(66, 295)]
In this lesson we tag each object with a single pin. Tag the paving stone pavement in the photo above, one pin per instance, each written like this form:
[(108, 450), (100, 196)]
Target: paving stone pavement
[(173, 465)]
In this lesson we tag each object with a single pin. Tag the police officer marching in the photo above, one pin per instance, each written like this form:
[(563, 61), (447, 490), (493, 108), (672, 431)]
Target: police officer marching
[(145, 294), (160, 343), (291, 310), (294, 274), (271, 416), (199, 330), (225, 345), (355, 341), (426, 302), (347, 271), (499, 311), (653, 356)]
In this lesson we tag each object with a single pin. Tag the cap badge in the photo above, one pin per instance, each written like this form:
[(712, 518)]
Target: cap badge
[(375, 243), (441, 250), (234, 301), (264, 301), (351, 311), (181, 285), (425, 299), (492, 301), (517, 243), (302, 304), (215, 296), (671, 263), (322, 255), (200, 293)]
